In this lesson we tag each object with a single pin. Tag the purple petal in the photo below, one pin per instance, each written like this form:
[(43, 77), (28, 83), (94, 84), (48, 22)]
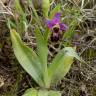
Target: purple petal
[(57, 15), (53, 22), (56, 21), (49, 23), (63, 26), (56, 18)]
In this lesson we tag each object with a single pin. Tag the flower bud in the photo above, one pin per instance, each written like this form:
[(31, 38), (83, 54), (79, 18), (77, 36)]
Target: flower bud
[(45, 7)]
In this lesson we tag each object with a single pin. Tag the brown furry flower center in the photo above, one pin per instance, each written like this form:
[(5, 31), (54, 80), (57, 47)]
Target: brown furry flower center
[(56, 29)]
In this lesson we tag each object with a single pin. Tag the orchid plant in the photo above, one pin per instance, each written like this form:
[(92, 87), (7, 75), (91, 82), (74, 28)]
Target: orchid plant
[(36, 64)]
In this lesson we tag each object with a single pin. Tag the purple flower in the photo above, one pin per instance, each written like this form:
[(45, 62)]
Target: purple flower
[(55, 24)]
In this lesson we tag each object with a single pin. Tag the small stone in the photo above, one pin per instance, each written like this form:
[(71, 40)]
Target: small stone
[(1, 81)]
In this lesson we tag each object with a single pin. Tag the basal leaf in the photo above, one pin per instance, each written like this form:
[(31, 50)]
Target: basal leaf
[(27, 58), (61, 64), (43, 93), (31, 92), (41, 46), (48, 93), (34, 92), (54, 93), (42, 52)]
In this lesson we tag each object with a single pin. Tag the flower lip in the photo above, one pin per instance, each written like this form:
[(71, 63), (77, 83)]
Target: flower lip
[(55, 37), (56, 28)]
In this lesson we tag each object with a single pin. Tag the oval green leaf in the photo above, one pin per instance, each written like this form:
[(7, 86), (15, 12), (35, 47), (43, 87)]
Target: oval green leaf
[(27, 58)]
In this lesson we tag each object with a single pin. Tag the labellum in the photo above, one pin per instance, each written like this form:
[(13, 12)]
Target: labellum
[(55, 36)]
